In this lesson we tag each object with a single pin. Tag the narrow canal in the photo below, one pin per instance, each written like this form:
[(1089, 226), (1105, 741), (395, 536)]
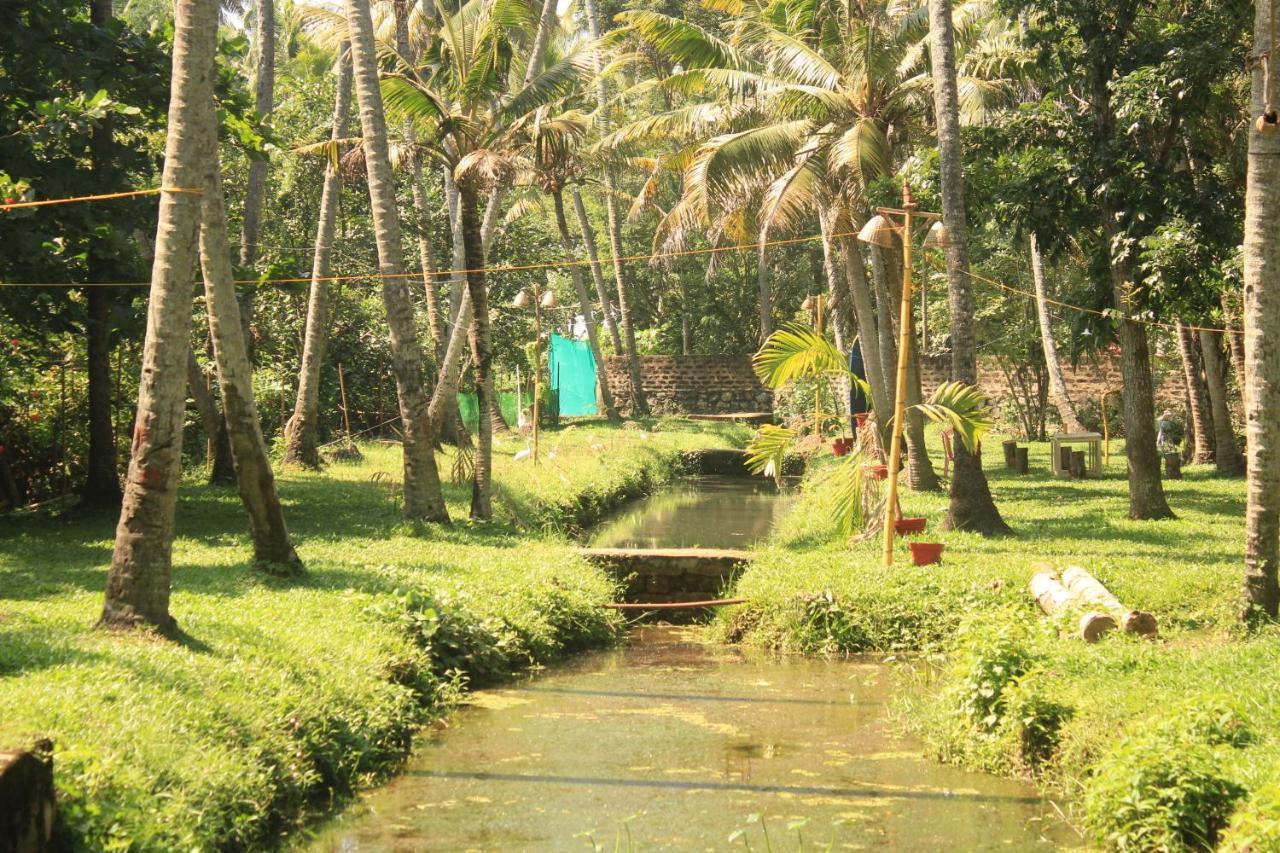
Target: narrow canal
[(671, 743), (711, 511)]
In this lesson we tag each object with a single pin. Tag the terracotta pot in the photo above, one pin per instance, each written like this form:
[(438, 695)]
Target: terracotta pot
[(880, 472), (841, 446), (861, 418), (910, 525), (925, 553)]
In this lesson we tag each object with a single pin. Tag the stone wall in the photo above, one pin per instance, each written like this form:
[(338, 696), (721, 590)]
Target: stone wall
[(669, 575), (691, 384)]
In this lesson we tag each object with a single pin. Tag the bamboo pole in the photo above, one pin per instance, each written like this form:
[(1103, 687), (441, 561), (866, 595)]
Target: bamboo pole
[(537, 366), (899, 401), (817, 386)]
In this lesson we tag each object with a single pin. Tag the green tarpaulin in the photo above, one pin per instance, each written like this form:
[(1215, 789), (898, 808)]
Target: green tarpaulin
[(573, 376), (467, 407)]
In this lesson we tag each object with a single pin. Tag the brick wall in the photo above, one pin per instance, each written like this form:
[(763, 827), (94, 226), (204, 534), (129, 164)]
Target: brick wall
[(1085, 382), (692, 384)]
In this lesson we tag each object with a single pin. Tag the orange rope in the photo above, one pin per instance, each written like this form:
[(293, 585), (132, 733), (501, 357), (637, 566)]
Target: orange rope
[(14, 205)]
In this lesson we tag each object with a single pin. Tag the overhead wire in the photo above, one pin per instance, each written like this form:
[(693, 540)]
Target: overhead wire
[(47, 202)]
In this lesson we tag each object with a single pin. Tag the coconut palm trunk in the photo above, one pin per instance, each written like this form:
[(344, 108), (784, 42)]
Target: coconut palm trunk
[(256, 187), (972, 507), (588, 316), (1226, 454), (481, 350), (272, 547), (597, 272), (138, 583), (1200, 436), (303, 430), (423, 498), (210, 417), (763, 290), (639, 403), (868, 331), (1058, 394), (1262, 333)]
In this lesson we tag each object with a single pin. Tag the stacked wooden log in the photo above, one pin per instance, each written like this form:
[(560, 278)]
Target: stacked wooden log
[(1101, 611)]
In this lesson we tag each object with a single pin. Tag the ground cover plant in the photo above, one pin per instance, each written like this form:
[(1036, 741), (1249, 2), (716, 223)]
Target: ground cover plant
[(282, 694), (1105, 725)]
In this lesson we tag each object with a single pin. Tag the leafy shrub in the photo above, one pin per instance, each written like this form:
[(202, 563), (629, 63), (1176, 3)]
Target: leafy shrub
[(1255, 826), (1165, 787)]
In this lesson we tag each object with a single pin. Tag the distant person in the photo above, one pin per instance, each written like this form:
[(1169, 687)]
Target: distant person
[(1165, 431), (858, 401)]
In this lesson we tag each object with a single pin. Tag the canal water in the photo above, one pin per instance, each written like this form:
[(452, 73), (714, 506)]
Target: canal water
[(699, 512), (670, 743)]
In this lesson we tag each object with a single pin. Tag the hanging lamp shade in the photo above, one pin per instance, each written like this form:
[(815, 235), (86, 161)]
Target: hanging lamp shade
[(878, 230), (938, 236), (521, 300), (549, 299)]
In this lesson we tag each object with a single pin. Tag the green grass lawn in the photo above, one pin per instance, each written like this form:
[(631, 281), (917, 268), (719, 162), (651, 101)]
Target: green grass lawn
[(1008, 692), (285, 694)]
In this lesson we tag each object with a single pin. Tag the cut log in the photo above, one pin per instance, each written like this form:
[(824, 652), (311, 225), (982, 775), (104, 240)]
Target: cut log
[(1090, 590), (1010, 447), (1021, 460), (1054, 598)]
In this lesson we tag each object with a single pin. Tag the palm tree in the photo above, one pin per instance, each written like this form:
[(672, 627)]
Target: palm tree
[(597, 273), (423, 498), (138, 584), (272, 547), (1200, 430), (1226, 455), (1262, 332), (1058, 394), (972, 507), (264, 81), (301, 433)]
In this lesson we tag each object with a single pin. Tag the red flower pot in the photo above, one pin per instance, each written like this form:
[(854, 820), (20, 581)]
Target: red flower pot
[(842, 446), (880, 472), (910, 525), (925, 553), (861, 418)]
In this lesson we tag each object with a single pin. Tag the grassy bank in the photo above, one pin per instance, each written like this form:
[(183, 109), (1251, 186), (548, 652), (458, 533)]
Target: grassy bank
[(286, 694), (1108, 726)]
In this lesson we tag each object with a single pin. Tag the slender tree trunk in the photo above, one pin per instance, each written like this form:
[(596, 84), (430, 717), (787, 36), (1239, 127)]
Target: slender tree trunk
[(215, 427), (272, 546), (639, 404), (1235, 342), (101, 489), (1261, 329), (423, 498), (481, 351), (835, 288), (762, 289), (580, 287), (887, 320), (1226, 455), (255, 188), (541, 41), (138, 584), (868, 331), (1057, 382), (1197, 397), (303, 430), (597, 273), (972, 507), (686, 328)]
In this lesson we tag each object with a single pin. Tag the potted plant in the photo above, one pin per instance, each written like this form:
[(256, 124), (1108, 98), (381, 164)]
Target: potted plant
[(910, 525), (925, 553)]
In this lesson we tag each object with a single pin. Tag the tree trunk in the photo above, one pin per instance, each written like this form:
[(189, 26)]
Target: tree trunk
[(1235, 341), (272, 547), (972, 507), (303, 429), (762, 289), (1261, 329), (887, 321), (580, 288), (541, 41), (422, 217), (219, 460), (101, 489), (1226, 455), (423, 498), (1057, 382), (481, 351), (836, 294), (868, 331), (639, 404), (255, 188), (1197, 398), (597, 272), (138, 583)]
